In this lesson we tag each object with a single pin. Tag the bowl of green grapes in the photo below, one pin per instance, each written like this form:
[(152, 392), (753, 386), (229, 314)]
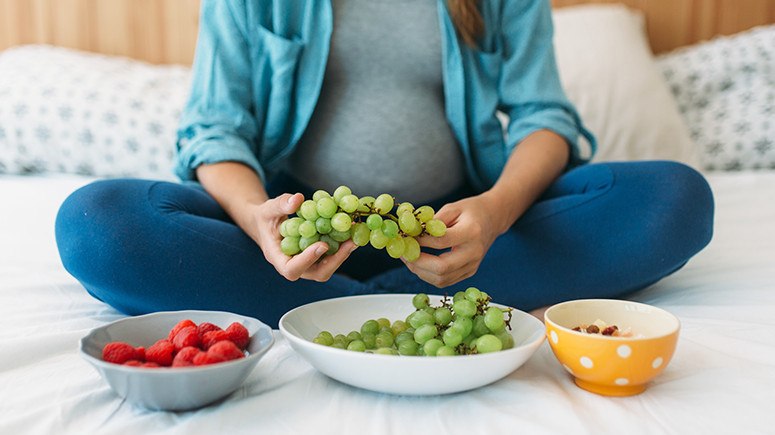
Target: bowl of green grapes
[(409, 344)]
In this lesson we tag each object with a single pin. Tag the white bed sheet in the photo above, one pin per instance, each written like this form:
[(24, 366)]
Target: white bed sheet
[(721, 379)]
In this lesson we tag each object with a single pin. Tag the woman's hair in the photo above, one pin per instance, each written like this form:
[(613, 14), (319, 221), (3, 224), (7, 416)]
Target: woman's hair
[(468, 20)]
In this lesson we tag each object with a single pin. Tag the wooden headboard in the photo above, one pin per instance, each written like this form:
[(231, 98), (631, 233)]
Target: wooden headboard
[(164, 31)]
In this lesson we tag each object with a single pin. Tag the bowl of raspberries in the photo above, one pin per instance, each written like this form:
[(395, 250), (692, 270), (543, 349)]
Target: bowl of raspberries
[(177, 360)]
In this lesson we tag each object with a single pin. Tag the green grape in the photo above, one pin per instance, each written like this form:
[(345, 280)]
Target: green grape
[(407, 347), (390, 228), (341, 192), (436, 228), (290, 246), (407, 221), (369, 339), (326, 207), (354, 335), (430, 310), (473, 294), (325, 338), (308, 210), (470, 340), (341, 222), (339, 345), (464, 308), (416, 230), (307, 229), (425, 332), (378, 239), (339, 236), (383, 322), (395, 247), (383, 204), (370, 327), (361, 234), (357, 346), (403, 336), (424, 213), (284, 228), (339, 338), (480, 328), (398, 327), (488, 343), (464, 325), (452, 337), (411, 249), (432, 346), (323, 225), (420, 318), (384, 339), (333, 245), (420, 301), (506, 339), (349, 203), (403, 208), (292, 226), (493, 318), (445, 351), (458, 296), (305, 242), (365, 203), (374, 221), (442, 316), (320, 194), (386, 351)]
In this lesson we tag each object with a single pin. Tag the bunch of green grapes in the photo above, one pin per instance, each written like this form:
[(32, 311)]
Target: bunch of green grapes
[(366, 220), (463, 326)]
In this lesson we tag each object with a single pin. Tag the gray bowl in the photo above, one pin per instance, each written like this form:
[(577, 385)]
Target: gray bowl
[(181, 388)]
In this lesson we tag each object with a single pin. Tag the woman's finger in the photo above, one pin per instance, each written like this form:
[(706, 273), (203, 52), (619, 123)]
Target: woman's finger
[(298, 264), (328, 265)]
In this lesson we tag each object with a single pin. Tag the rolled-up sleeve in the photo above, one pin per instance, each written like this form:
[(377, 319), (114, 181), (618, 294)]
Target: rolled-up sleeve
[(530, 88), (218, 123)]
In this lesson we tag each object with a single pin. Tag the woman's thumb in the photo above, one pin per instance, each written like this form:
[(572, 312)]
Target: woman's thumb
[(288, 203)]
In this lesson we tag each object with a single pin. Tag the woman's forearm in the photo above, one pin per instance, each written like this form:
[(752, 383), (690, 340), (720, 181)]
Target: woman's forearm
[(535, 163), (234, 186)]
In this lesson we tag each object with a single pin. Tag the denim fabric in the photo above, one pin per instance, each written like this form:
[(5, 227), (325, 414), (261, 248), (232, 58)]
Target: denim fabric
[(601, 230)]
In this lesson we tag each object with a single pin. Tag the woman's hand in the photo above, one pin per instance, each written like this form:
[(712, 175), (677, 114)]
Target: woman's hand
[(262, 222), (470, 233)]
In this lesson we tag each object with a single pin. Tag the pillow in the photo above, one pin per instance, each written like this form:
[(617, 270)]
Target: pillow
[(74, 112), (725, 90), (609, 73)]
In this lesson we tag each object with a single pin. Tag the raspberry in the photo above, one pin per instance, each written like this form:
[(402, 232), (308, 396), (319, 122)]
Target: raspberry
[(175, 329), (118, 352), (225, 350), (185, 357), (150, 365), (186, 337), (239, 335), (203, 358), (140, 353), (161, 353), (212, 337), (133, 363), (206, 327)]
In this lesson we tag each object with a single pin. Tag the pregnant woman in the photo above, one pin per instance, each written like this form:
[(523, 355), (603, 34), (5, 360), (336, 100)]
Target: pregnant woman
[(388, 96)]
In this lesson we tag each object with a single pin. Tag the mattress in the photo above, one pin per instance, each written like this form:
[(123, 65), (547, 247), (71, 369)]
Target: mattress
[(721, 379)]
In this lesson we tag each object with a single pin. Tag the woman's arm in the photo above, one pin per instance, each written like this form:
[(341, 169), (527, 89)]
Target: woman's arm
[(238, 189), (474, 223)]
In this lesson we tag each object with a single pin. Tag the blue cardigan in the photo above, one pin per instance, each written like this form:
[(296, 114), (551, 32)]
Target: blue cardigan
[(259, 67)]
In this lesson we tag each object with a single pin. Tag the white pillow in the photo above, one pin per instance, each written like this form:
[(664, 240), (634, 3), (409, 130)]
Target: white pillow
[(609, 73), (725, 90), (68, 111)]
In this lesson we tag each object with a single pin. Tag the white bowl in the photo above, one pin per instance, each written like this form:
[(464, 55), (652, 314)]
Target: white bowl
[(179, 388), (400, 374)]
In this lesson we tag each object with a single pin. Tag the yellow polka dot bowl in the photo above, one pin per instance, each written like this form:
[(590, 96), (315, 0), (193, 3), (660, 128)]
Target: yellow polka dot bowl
[(612, 365)]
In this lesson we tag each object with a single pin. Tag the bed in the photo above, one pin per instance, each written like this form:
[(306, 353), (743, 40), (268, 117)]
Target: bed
[(721, 379)]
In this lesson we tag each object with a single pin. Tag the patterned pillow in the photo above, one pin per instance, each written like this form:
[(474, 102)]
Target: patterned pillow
[(74, 112), (725, 89)]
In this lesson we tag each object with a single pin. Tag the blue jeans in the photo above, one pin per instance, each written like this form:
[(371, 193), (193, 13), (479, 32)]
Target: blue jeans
[(601, 230)]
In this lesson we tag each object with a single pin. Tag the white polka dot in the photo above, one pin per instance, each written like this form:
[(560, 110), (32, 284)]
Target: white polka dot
[(568, 369), (553, 334), (586, 362), (621, 381), (624, 351), (657, 362)]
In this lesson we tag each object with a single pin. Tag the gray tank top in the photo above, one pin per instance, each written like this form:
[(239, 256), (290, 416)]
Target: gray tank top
[(379, 124)]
